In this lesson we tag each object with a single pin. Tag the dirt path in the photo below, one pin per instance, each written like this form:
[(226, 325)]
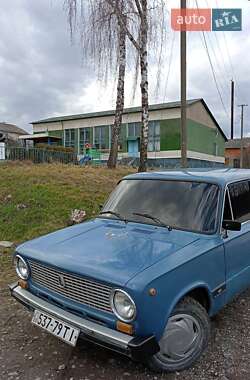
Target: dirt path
[(26, 352)]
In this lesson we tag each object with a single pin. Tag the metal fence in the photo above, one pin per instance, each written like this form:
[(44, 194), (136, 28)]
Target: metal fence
[(38, 156)]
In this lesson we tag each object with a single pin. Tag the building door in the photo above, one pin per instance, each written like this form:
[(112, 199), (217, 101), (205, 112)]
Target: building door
[(133, 148)]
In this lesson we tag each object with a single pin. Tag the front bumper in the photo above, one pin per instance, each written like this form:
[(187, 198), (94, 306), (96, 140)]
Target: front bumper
[(138, 348)]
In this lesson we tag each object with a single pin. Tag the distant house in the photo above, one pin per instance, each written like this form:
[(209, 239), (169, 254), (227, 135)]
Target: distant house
[(232, 152), (206, 139), (9, 133)]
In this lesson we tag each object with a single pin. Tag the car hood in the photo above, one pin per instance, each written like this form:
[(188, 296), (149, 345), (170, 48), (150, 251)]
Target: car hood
[(107, 250)]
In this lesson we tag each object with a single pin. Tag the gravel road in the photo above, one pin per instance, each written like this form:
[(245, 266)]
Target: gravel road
[(28, 353)]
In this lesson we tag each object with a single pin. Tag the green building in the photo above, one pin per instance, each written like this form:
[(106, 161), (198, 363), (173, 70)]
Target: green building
[(206, 140)]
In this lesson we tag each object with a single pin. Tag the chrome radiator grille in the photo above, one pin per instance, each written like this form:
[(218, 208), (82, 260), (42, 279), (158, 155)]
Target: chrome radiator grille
[(76, 288)]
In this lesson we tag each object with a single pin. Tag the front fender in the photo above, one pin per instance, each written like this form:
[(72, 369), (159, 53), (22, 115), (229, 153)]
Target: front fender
[(185, 292), (201, 266)]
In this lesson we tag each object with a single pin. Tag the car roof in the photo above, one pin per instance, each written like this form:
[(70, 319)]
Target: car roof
[(221, 176)]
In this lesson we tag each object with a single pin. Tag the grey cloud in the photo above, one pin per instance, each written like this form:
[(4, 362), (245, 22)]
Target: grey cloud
[(42, 74), (39, 68)]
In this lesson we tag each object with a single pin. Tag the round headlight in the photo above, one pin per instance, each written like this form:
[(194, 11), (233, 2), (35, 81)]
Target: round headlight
[(123, 306), (22, 268)]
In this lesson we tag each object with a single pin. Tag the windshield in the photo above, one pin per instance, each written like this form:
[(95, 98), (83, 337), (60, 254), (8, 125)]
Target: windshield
[(183, 205)]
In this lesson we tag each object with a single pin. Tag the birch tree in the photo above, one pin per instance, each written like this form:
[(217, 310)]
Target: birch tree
[(116, 128), (112, 21), (143, 12), (146, 20), (103, 39)]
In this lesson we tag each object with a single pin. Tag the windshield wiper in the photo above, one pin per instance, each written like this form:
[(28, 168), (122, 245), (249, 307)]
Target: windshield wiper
[(119, 216), (158, 221)]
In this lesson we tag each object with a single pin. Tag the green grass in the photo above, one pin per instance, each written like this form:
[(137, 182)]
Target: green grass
[(49, 193)]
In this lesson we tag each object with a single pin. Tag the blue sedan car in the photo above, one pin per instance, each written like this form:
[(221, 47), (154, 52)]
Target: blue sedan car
[(167, 252)]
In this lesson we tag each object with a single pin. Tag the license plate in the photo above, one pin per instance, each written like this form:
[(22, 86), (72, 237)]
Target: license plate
[(60, 329)]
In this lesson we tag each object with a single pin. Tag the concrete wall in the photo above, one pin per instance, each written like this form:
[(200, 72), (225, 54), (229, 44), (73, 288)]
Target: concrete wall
[(201, 138), (172, 163), (170, 134), (197, 112)]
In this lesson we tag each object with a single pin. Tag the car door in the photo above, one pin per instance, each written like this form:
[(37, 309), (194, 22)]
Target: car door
[(237, 243)]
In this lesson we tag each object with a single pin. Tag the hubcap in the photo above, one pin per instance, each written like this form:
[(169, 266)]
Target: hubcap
[(182, 336)]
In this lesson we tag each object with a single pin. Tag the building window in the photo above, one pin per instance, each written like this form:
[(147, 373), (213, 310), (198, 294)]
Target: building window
[(154, 144), (121, 137), (84, 138), (69, 138), (102, 137), (134, 130), (236, 163)]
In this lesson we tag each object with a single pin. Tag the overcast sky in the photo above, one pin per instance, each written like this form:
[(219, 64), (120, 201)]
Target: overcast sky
[(42, 74)]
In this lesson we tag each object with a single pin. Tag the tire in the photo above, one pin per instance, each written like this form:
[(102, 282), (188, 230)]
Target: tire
[(184, 339)]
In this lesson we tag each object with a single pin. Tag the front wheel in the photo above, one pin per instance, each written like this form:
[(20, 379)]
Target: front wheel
[(184, 339)]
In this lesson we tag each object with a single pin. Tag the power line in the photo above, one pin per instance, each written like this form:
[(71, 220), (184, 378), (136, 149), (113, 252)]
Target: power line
[(228, 51), (222, 73), (212, 67), (170, 64), (219, 47), (214, 74), (229, 57)]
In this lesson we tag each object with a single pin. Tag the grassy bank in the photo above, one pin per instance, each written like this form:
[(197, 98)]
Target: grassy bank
[(37, 199)]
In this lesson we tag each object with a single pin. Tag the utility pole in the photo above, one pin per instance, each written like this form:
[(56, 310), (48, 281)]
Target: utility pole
[(232, 109), (242, 134), (183, 88)]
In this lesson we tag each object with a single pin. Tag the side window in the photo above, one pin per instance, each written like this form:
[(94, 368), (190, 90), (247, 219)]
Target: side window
[(240, 199), (227, 209)]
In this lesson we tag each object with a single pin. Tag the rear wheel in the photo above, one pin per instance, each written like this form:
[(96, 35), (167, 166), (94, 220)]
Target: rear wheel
[(184, 339)]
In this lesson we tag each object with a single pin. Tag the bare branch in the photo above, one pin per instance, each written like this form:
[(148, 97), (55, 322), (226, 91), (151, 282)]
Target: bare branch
[(138, 6), (71, 6), (119, 15)]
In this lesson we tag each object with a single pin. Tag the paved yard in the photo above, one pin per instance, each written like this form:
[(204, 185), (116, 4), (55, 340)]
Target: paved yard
[(28, 353)]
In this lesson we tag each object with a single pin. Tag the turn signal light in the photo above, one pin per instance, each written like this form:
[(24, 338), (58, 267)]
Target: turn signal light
[(23, 284), (124, 327)]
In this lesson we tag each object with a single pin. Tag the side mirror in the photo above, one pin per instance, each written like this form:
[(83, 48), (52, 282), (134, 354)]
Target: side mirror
[(231, 225)]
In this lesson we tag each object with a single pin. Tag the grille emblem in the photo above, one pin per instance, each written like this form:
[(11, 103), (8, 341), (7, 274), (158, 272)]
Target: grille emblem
[(61, 281)]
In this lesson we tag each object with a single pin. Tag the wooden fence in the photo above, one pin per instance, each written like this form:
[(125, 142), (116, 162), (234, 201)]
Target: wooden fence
[(39, 156)]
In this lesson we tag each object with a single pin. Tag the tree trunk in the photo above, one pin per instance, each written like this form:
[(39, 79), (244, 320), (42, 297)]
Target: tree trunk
[(116, 128), (144, 87)]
